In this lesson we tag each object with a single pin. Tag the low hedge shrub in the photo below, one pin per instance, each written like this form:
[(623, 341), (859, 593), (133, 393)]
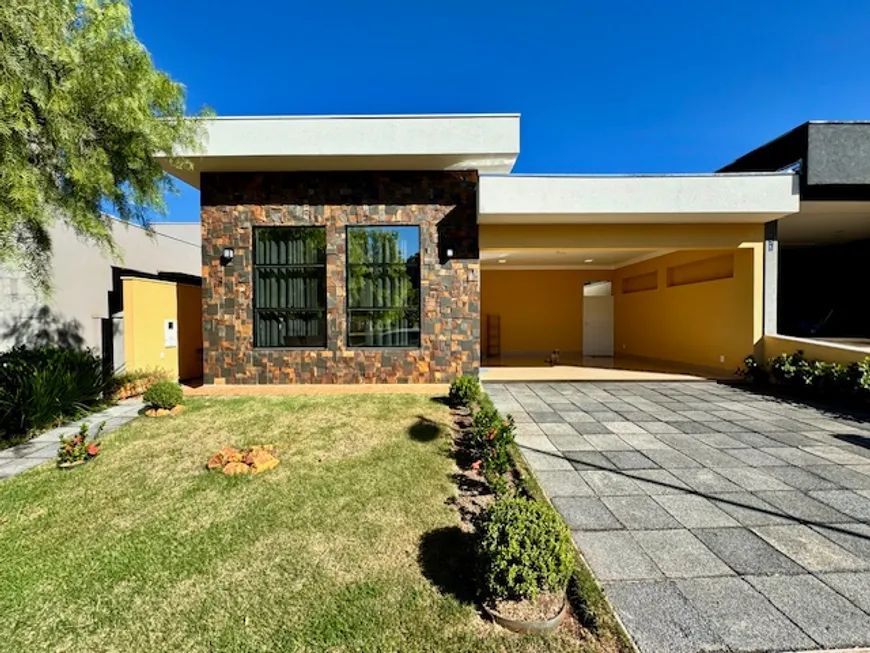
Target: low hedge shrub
[(523, 549), (811, 378), (164, 395), (136, 382), (40, 387), (464, 391)]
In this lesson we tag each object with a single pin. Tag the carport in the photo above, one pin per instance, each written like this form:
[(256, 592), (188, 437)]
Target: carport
[(624, 275)]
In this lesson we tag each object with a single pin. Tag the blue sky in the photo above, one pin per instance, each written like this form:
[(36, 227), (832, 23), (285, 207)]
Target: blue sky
[(610, 86)]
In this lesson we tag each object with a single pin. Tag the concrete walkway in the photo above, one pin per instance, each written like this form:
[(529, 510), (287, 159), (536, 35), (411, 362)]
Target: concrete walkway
[(43, 447), (715, 519)]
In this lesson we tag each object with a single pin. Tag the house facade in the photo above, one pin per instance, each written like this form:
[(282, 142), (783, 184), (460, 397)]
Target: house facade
[(397, 249)]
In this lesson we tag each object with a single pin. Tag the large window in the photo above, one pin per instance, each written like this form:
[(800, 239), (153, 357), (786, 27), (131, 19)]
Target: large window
[(289, 287), (383, 286)]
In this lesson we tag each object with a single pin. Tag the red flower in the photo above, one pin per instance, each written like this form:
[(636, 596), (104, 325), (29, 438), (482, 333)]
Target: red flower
[(476, 464), (93, 449), (77, 439)]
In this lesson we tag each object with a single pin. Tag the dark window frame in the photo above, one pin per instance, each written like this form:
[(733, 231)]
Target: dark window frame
[(347, 268), (324, 294)]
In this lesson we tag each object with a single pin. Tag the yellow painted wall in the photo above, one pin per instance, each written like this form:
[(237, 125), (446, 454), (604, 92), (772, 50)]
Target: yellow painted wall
[(189, 299), (693, 323), (540, 310), (147, 304), (831, 353)]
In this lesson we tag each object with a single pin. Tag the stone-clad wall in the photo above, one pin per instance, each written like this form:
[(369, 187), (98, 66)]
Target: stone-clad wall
[(443, 204)]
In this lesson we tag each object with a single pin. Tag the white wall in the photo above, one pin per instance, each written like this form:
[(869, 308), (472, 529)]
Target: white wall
[(82, 279)]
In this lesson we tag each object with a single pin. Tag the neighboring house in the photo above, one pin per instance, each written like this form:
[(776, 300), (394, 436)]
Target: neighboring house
[(86, 307), (401, 249)]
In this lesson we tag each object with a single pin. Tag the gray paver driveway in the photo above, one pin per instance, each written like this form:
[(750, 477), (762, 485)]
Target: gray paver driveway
[(715, 519)]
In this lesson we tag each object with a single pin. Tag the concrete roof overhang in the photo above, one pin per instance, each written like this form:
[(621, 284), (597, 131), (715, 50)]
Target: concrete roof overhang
[(623, 199), (488, 143)]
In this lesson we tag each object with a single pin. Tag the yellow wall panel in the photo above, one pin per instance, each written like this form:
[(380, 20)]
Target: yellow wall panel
[(694, 323), (540, 310), (147, 304)]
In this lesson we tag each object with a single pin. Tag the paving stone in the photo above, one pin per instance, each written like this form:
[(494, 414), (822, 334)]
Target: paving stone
[(544, 416), (790, 439), (557, 428), (545, 461), (755, 479), (608, 442), (845, 501), (639, 512), (842, 476), (745, 552), (657, 427), (615, 555), (606, 416), (562, 484), (794, 456), (694, 428), (835, 454), (18, 465), (670, 459), (753, 439), (661, 619), (586, 514), (803, 507), (642, 441), (679, 554), (520, 416), (630, 460), (635, 416), (743, 617), (591, 428), (574, 442), (588, 460), (623, 427), (810, 549), (827, 617), (610, 483), (721, 441), (716, 458), (694, 511), (855, 586), (574, 415), (657, 481), (800, 479), (749, 510), (705, 481), (536, 443), (853, 537), (45, 452)]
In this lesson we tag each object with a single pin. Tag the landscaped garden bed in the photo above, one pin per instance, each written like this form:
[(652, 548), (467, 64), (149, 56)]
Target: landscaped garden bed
[(353, 542)]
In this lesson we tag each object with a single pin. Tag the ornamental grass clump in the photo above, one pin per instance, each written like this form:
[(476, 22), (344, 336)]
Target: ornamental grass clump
[(523, 549)]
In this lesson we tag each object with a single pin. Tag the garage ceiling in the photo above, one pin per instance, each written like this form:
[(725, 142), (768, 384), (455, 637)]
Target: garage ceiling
[(826, 223), (592, 259)]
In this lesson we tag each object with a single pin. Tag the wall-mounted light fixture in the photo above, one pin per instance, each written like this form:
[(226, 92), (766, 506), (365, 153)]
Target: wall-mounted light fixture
[(227, 255), (449, 253)]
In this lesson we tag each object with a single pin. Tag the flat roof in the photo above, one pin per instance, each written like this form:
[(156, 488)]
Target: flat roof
[(482, 142)]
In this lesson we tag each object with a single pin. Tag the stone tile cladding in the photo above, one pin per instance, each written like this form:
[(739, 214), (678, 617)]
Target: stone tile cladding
[(444, 205)]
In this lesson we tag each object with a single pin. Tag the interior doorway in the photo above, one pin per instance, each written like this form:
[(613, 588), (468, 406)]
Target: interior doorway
[(597, 318)]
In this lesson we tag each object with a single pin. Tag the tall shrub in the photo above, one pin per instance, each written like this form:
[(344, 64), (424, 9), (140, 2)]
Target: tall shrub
[(39, 387)]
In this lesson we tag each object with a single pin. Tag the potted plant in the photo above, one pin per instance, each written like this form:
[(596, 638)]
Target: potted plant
[(526, 558), (164, 398), (78, 449)]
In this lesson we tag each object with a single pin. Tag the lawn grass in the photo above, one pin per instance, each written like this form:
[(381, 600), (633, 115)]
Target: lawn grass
[(350, 544)]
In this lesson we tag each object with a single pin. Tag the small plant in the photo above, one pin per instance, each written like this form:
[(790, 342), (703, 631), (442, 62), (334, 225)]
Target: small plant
[(753, 371), (492, 436), (164, 395), (79, 449), (254, 460), (524, 549), (464, 391)]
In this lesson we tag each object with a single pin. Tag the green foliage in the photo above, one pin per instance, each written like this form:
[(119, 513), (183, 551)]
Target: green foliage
[(524, 548), (82, 114), (812, 378), (41, 387), (164, 394), (492, 436), (78, 448), (464, 391), (136, 382)]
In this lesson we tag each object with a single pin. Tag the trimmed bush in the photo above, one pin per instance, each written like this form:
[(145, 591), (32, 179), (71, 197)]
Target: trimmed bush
[(524, 548), (492, 436), (464, 391), (42, 387), (164, 395)]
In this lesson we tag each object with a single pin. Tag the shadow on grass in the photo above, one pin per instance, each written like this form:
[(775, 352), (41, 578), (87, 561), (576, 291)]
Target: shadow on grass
[(446, 558), (443, 400), (424, 429)]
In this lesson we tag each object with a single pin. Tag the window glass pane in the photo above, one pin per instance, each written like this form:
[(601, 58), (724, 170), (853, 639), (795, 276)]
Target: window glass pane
[(289, 287), (383, 278)]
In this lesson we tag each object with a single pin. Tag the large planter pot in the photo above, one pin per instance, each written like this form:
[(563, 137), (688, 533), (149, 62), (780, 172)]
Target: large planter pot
[(537, 627)]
